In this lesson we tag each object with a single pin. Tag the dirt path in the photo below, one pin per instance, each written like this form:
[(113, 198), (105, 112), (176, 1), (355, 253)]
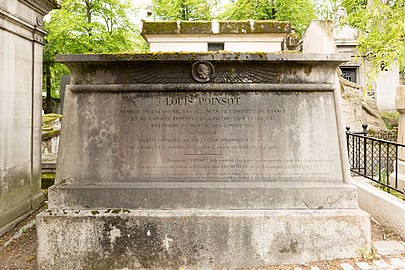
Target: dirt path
[(20, 253)]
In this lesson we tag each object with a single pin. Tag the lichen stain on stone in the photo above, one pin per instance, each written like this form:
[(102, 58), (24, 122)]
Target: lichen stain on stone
[(190, 27), (307, 69), (167, 27), (114, 234), (206, 27), (139, 241), (291, 247)]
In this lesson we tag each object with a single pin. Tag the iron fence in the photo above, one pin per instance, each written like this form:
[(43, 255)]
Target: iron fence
[(375, 159)]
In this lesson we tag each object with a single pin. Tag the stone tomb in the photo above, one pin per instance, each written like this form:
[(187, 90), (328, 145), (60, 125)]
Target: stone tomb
[(21, 50), (201, 161)]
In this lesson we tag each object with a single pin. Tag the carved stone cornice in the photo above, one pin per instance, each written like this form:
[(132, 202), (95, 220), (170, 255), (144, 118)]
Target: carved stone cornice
[(42, 6), (20, 27), (202, 68)]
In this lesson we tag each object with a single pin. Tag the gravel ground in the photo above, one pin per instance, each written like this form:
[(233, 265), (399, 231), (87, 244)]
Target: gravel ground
[(18, 248)]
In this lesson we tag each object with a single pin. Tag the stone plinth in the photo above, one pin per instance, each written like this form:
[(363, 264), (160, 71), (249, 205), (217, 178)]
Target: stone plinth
[(200, 160), (196, 239)]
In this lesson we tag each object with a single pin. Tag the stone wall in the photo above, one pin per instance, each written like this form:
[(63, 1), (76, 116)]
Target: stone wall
[(203, 36), (21, 44)]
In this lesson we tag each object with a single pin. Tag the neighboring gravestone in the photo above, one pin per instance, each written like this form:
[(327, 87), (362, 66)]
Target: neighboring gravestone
[(21, 43), (386, 85), (64, 80), (201, 160), (399, 183)]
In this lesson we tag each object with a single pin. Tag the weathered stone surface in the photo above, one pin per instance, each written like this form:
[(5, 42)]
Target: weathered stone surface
[(358, 108), (209, 27), (204, 195), (318, 38), (238, 160), (196, 239), (136, 140), (201, 137), (389, 247), (383, 207), (21, 37)]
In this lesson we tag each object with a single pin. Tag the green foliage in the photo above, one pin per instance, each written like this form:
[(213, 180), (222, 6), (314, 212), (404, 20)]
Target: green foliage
[(326, 9), (298, 12), (391, 119), (383, 178), (366, 253), (184, 9), (88, 26), (381, 25)]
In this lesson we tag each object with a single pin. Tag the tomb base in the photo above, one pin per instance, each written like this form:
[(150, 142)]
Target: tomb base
[(204, 195), (196, 239)]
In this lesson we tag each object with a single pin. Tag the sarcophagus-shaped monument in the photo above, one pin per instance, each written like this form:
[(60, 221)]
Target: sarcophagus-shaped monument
[(201, 160)]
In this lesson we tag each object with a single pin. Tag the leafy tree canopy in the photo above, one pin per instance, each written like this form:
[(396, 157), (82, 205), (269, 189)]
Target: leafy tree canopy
[(381, 26), (184, 9), (99, 26), (326, 9), (298, 12), (87, 26)]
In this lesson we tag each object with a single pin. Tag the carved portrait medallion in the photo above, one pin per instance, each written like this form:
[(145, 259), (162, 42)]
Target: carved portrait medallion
[(202, 71)]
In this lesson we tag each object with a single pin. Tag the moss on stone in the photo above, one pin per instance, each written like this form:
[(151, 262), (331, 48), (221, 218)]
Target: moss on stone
[(254, 27), (196, 27), (235, 27), (168, 27), (104, 60), (47, 118), (225, 27), (49, 134), (48, 176), (47, 180), (268, 26)]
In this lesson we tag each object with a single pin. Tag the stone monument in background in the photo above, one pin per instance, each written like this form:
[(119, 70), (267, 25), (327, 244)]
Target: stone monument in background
[(400, 106), (201, 160), (21, 43)]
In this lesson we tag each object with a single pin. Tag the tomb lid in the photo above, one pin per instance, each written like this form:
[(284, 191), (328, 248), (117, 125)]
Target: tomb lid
[(205, 56)]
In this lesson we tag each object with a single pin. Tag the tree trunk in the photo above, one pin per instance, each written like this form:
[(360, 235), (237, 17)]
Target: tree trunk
[(183, 11), (48, 100)]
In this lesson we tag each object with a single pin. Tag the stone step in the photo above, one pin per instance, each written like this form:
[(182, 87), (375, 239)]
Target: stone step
[(204, 195)]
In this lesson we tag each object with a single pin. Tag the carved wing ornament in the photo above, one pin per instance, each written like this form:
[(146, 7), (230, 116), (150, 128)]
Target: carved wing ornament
[(205, 72)]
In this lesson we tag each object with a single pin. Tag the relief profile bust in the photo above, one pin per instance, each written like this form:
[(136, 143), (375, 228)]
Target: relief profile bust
[(202, 71)]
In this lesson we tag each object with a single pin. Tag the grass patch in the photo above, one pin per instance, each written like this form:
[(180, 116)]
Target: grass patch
[(390, 119), (47, 180)]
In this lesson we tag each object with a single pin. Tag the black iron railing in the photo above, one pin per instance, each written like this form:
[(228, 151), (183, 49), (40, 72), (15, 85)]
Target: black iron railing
[(375, 159)]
